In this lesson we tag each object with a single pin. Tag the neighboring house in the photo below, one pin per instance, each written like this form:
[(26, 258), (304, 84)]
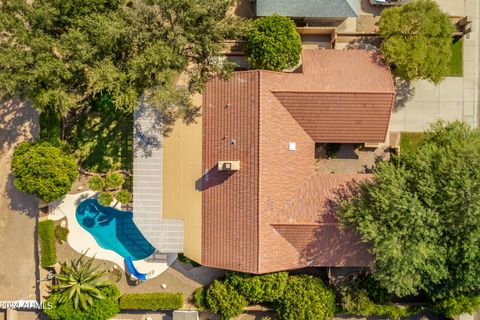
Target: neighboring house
[(318, 21), (310, 9), (264, 208)]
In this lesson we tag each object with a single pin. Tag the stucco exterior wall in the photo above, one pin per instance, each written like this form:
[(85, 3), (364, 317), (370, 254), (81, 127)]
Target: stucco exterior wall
[(182, 170)]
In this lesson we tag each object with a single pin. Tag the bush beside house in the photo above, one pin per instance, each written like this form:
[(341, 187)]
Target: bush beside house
[(293, 297), (46, 236), (151, 301), (305, 298), (273, 43)]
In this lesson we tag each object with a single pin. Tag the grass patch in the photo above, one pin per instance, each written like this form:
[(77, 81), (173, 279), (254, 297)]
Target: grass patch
[(455, 68), (102, 139), (409, 141), (151, 301), (46, 236)]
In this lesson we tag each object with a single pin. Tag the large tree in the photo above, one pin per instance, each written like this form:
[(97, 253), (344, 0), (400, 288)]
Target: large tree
[(417, 40), (43, 170), (421, 214), (61, 54)]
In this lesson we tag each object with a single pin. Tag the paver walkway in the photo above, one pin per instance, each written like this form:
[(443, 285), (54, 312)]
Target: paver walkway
[(18, 122), (164, 234), (454, 98)]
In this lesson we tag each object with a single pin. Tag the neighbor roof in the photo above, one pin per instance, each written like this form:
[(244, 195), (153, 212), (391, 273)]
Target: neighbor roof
[(274, 213), (309, 8)]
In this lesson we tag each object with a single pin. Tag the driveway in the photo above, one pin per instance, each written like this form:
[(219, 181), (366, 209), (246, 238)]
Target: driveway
[(454, 98), (17, 210)]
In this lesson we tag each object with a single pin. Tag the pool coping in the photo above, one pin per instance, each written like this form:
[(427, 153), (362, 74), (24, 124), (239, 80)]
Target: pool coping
[(83, 242)]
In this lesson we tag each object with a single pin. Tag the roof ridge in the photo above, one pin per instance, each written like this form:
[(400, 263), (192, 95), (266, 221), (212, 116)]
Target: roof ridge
[(259, 101), (334, 92), (349, 4)]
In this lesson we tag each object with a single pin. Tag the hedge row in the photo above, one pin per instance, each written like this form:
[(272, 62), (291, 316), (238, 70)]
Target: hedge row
[(46, 236), (151, 301)]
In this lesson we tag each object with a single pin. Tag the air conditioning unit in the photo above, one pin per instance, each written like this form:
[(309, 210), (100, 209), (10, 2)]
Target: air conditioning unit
[(229, 165)]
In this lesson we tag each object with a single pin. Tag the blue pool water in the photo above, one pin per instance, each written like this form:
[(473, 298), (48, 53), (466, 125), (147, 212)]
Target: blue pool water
[(113, 229)]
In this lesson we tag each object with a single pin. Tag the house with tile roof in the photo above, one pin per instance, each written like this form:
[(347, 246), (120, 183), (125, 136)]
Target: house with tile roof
[(251, 198)]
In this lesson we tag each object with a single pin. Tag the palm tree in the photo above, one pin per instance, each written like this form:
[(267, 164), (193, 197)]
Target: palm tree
[(80, 282)]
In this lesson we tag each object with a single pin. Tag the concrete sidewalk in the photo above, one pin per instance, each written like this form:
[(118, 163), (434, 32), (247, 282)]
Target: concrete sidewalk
[(454, 98)]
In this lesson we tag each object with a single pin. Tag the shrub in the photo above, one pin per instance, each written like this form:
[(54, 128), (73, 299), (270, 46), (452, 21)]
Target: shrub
[(124, 196), (151, 301), (46, 235), (457, 305), (273, 43), (114, 180), (96, 183), (332, 149), (200, 299), (224, 300), (61, 234), (101, 309), (305, 298), (262, 288), (357, 302), (43, 170), (105, 199)]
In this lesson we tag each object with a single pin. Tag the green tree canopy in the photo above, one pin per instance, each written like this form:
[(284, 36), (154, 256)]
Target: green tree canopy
[(305, 298), (417, 40), (43, 170), (421, 214), (62, 54), (273, 43)]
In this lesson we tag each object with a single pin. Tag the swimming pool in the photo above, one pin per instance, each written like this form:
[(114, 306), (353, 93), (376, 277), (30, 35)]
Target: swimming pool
[(113, 229)]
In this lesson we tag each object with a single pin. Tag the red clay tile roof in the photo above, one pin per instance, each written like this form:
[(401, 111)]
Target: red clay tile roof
[(340, 117), (269, 215)]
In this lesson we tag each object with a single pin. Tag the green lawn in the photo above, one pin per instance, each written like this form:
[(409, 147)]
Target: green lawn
[(409, 141), (102, 140), (456, 63)]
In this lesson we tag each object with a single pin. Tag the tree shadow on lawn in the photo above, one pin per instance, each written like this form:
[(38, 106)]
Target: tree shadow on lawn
[(102, 140)]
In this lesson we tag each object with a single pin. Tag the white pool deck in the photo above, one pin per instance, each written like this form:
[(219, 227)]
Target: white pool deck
[(82, 241)]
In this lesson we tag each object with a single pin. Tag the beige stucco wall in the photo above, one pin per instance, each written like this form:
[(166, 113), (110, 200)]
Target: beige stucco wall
[(182, 168)]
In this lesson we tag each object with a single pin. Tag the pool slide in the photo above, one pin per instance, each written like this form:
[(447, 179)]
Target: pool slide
[(133, 271)]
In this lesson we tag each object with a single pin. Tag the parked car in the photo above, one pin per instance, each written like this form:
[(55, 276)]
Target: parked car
[(386, 2)]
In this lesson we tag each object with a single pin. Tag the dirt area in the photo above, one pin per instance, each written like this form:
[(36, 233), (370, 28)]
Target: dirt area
[(18, 211), (351, 159), (79, 185), (180, 277)]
